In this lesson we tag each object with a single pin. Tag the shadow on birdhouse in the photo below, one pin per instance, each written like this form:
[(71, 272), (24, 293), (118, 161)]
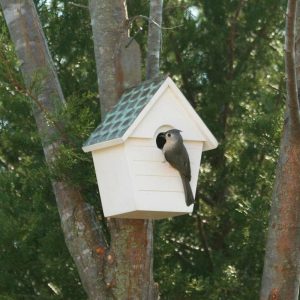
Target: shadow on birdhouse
[(133, 178)]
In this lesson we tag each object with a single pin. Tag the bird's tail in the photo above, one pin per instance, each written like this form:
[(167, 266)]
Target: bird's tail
[(189, 198)]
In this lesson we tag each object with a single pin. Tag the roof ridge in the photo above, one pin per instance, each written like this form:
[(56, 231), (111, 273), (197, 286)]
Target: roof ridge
[(158, 78)]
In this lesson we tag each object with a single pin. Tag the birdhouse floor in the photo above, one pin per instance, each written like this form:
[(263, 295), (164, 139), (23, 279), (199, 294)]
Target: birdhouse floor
[(155, 215)]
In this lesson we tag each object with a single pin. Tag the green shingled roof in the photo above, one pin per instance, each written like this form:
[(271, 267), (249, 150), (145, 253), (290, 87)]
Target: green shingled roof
[(123, 114)]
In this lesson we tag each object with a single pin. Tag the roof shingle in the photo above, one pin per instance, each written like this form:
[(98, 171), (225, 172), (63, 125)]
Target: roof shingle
[(123, 114)]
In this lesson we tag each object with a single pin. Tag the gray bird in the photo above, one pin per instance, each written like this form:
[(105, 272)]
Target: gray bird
[(177, 156)]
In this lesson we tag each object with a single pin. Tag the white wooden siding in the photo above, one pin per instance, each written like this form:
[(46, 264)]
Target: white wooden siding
[(168, 110), (157, 184)]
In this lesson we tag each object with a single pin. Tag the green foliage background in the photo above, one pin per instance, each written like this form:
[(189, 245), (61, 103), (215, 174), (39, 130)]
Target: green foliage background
[(227, 57)]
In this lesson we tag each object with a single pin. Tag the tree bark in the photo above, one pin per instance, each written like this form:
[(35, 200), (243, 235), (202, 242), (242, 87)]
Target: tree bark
[(118, 65), (297, 49), (129, 270), (81, 232), (281, 276), (154, 38)]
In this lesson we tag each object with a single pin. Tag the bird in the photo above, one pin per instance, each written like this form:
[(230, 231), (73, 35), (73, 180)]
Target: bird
[(171, 144)]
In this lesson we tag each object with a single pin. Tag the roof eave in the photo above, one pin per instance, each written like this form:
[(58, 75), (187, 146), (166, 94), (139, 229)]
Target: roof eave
[(102, 145), (210, 141), (209, 145)]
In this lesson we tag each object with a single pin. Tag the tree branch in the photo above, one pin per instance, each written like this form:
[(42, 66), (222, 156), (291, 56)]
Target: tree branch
[(78, 5), (154, 38), (232, 36), (151, 20), (291, 82), (204, 241)]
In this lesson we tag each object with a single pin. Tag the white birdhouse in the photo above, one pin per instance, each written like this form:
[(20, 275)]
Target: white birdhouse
[(133, 177)]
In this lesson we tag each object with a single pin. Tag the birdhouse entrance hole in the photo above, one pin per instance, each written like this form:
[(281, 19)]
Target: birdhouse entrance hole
[(159, 138)]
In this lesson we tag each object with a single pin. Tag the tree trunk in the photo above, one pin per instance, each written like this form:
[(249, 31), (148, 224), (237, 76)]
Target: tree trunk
[(281, 276), (118, 65), (77, 218), (129, 269)]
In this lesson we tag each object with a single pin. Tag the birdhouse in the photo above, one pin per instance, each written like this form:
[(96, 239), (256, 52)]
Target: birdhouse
[(133, 177)]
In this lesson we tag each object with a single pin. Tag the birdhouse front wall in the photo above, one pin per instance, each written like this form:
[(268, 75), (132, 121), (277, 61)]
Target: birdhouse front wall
[(168, 109), (158, 187)]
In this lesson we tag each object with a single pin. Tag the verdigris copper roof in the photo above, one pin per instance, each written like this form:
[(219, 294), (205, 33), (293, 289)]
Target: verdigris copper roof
[(123, 114)]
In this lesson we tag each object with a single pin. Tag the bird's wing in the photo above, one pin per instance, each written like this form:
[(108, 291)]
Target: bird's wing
[(179, 159), (187, 165)]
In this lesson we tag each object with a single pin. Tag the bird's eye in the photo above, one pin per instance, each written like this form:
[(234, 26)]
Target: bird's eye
[(169, 135)]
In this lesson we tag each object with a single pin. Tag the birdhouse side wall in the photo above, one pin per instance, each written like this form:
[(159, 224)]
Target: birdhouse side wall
[(157, 184), (114, 180)]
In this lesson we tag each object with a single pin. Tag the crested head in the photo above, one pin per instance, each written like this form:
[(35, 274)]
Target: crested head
[(173, 135), (174, 131)]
